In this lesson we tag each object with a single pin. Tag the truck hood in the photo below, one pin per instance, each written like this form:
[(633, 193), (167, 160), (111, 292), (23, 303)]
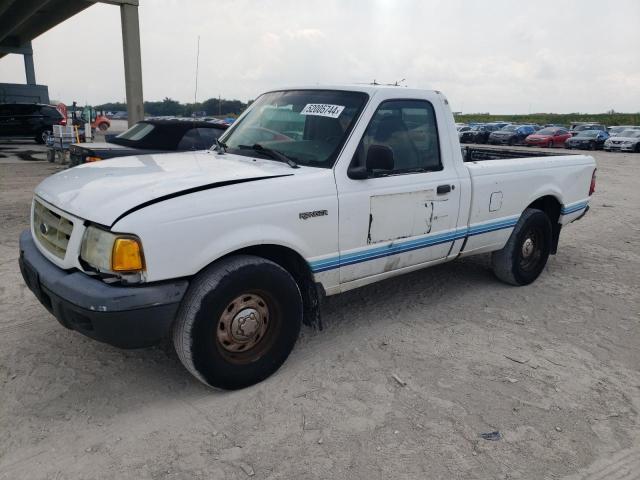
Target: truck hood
[(103, 191)]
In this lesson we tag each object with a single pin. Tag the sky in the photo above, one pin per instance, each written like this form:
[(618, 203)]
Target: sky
[(497, 56)]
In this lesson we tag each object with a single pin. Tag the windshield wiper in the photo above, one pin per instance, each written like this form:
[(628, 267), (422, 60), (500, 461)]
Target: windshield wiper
[(222, 147), (274, 154)]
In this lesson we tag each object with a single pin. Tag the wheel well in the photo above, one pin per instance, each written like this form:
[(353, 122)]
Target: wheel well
[(552, 207), (299, 269)]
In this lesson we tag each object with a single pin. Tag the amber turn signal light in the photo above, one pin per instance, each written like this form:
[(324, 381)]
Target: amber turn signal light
[(127, 255)]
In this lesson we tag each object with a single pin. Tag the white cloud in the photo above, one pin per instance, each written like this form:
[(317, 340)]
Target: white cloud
[(499, 56)]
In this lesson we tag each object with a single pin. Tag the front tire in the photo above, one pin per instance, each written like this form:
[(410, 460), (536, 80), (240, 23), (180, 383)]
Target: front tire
[(238, 322), (525, 255)]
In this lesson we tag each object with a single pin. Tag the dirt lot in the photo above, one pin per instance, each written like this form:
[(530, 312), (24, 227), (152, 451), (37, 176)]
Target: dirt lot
[(554, 367)]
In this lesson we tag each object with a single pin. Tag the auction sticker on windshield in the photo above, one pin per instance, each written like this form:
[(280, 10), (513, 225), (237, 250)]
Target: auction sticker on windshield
[(322, 110)]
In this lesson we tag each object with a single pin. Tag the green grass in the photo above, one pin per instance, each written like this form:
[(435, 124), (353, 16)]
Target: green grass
[(608, 119)]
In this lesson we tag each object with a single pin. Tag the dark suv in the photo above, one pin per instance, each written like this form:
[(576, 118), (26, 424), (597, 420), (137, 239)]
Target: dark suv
[(29, 120)]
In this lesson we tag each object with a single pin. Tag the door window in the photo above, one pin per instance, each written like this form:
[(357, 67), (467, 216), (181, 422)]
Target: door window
[(208, 137), (408, 128), (190, 140)]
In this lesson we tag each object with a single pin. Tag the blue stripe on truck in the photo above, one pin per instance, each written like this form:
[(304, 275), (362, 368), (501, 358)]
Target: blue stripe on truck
[(424, 242), (407, 246), (573, 207)]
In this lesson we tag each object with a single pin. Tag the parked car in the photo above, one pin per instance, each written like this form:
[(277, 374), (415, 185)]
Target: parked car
[(119, 115), (587, 126), (587, 140), (477, 134), (618, 129), (229, 251), (31, 120), (150, 136), (548, 137), (627, 141), (510, 135)]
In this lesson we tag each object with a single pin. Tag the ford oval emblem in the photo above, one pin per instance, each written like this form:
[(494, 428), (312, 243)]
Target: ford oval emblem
[(44, 228)]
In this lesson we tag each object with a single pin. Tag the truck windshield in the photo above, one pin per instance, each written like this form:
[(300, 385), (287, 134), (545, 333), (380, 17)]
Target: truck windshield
[(306, 126)]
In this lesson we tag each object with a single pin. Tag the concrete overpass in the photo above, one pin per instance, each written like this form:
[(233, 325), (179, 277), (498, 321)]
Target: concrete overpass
[(23, 20)]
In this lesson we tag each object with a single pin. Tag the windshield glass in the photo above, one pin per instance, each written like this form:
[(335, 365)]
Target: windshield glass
[(307, 126), (135, 133), (589, 133), (547, 131), (630, 133), (510, 128), (580, 128)]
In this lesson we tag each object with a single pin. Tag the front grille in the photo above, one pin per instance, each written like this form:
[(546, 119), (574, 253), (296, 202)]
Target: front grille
[(52, 230)]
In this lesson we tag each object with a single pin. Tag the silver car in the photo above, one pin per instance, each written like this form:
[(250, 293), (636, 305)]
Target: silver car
[(626, 141), (618, 129)]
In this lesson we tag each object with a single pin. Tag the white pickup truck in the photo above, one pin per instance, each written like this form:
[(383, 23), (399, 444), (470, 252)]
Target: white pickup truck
[(313, 191)]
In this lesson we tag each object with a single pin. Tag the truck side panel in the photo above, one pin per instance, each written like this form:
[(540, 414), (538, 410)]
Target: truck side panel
[(502, 190)]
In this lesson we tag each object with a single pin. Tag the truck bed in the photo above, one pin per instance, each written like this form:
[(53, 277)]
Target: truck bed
[(479, 154)]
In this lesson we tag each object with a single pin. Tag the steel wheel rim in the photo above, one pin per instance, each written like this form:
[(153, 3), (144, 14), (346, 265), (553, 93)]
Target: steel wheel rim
[(246, 327), (531, 249)]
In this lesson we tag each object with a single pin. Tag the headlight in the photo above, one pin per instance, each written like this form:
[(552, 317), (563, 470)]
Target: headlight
[(111, 252)]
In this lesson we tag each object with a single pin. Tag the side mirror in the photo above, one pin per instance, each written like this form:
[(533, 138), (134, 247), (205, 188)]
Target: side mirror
[(380, 157)]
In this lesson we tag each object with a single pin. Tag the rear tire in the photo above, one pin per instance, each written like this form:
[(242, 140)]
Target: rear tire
[(238, 322), (103, 127), (41, 137), (525, 255)]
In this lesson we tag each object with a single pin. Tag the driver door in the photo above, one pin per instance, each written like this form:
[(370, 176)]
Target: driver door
[(404, 215)]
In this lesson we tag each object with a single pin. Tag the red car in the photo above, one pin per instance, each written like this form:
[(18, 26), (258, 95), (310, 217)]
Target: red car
[(548, 137)]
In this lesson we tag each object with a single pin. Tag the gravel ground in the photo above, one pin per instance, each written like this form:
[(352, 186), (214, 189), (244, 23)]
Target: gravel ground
[(554, 367)]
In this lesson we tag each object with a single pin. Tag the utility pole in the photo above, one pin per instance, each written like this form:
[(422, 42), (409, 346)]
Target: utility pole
[(195, 94)]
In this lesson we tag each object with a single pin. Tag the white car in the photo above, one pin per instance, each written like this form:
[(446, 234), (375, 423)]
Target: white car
[(626, 141), (229, 251), (618, 129)]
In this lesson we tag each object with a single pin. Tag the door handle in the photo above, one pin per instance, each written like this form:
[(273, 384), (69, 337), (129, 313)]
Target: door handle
[(442, 189)]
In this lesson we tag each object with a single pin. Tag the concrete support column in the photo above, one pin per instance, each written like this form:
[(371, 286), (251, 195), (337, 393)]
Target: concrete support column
[(29, 69), (132, 62)]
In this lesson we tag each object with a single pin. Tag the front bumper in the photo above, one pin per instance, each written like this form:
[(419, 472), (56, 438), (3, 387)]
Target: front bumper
[(536, 143), (123, 316), (618, 147)]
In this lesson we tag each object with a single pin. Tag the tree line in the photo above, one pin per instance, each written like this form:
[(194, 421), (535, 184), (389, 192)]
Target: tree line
[(170, 107)]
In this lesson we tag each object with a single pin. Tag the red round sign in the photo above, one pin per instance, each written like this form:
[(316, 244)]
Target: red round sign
[(62, 108)]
